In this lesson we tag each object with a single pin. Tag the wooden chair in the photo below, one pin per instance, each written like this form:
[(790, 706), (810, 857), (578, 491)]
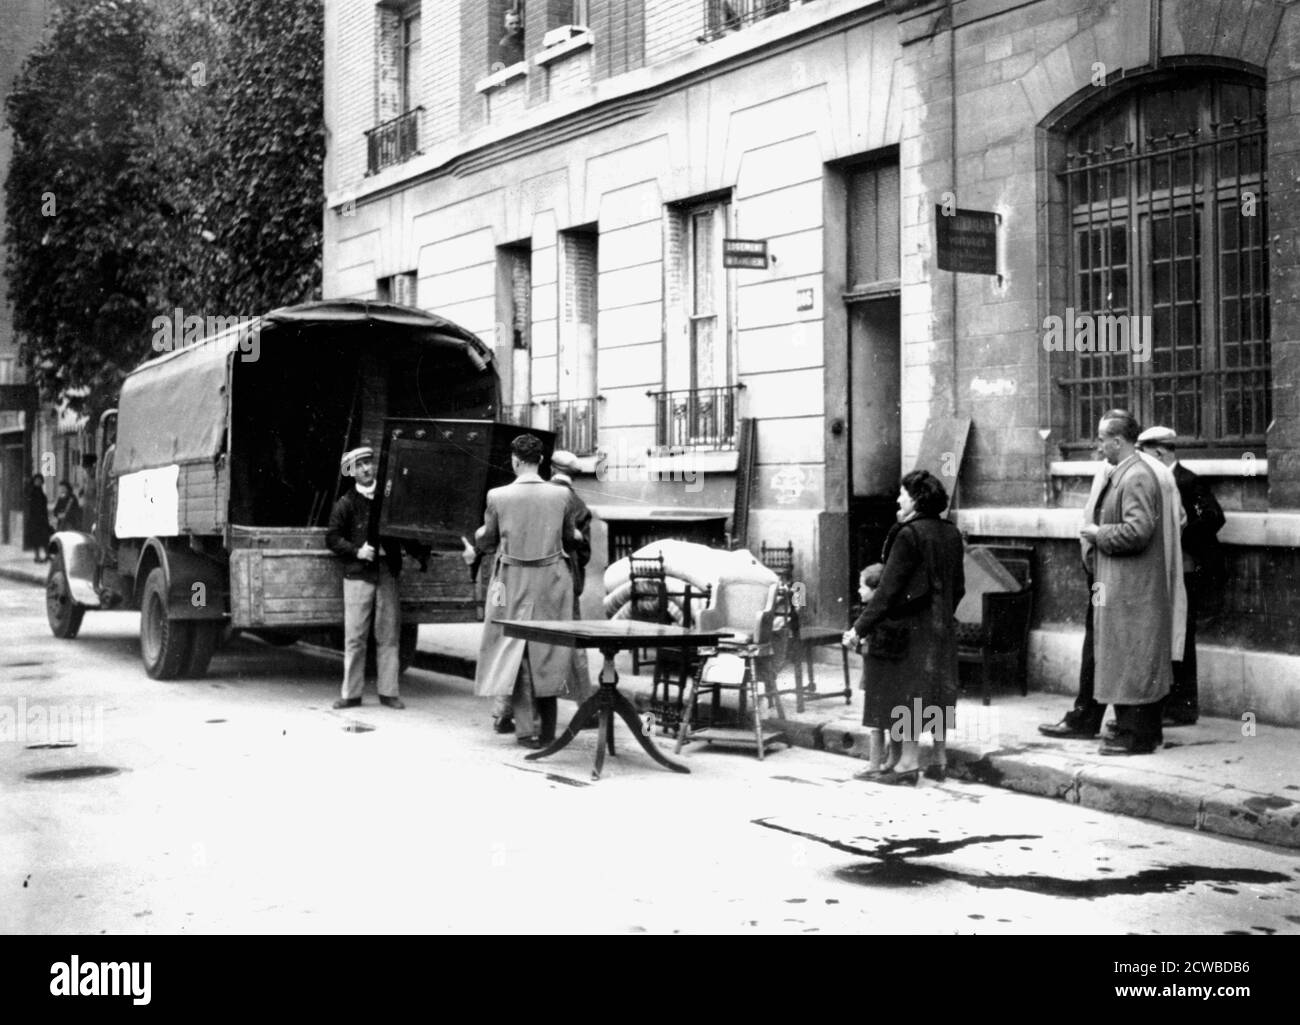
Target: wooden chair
[(648, 601), (779, 560), (675, 667), (1001, 637), (746, 610)]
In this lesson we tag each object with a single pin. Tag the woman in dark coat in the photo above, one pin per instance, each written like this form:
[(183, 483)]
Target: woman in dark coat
[(36, 524), (910, 669), (67, 510)]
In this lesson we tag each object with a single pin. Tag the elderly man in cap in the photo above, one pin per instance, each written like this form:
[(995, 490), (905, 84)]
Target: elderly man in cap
[(1202, 565), (563, 466), (369, 584)]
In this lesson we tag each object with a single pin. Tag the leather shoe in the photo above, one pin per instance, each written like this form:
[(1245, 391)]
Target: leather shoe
[(1123, 750), (1065, 730), (393, 702), (532, 743), (503, 724), (938, 773), (1178, 720), (899, 779), (347, 702)]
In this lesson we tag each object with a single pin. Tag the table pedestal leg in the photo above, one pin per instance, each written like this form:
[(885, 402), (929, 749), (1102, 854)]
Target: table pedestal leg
[(605, 703)]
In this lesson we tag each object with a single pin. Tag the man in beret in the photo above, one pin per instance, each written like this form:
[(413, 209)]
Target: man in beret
[(1202, 565), (369, 584)]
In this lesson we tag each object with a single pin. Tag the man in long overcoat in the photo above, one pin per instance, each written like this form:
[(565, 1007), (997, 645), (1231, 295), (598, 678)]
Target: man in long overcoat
[(1134, 593), (529, 524)]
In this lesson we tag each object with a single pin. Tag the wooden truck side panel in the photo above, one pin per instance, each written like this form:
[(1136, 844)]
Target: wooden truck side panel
[(286, 578)]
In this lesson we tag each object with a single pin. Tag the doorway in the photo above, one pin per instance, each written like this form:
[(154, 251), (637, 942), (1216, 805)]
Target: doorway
[(875, 438)]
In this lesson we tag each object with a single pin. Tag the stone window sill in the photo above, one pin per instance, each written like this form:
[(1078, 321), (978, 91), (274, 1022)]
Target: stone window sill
[(553, 53), (503, 77)]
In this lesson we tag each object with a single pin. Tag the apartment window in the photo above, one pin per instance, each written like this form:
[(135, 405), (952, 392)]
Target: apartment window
[(399, 288), (396, 135), (699, 409), (409, 60), (505, 33), (514, 320), (1165, 192), (573, 415)]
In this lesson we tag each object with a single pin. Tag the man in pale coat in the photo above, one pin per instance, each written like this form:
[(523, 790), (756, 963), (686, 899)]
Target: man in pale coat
[(1137, 595), (530, 525)]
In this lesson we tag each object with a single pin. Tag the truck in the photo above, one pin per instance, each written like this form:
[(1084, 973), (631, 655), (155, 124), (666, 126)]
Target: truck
[(220, 467)]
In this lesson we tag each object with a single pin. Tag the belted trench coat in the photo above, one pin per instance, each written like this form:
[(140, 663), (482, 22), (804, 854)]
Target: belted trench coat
[(529, 523)]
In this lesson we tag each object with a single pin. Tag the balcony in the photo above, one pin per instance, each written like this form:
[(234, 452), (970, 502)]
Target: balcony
[(723, 16), (697, 418), (574, 424), (394, 141)]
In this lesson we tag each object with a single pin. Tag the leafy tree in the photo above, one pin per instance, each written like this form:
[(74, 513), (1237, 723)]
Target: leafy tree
[(166, 153), (88, 224)]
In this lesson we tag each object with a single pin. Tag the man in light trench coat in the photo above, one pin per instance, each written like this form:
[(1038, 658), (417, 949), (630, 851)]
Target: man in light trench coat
[(530, 525), (1138, 599)]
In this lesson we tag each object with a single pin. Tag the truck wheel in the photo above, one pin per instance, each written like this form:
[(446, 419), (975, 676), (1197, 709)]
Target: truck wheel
[(206, 636), (64, 614), (164, 642), (406, 645)]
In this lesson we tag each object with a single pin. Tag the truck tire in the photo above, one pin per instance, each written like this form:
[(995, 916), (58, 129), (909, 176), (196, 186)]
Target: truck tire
[(206, 636), (63, 612), (164, 642)]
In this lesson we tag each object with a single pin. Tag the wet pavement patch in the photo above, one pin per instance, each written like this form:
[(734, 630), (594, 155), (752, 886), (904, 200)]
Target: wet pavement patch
[(358, 727), (1266, 803), (20, 665), (209, 721), (894, 869), (52, 744), (75, 772), (554, 777)]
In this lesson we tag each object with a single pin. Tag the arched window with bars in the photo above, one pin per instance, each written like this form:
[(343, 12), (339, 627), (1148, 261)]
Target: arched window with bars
[(1167, 223)]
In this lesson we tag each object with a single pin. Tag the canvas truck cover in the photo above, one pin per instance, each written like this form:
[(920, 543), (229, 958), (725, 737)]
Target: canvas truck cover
[(173, 408)]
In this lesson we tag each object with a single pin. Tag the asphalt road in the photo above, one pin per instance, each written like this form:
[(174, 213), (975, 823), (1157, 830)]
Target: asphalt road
[(243, 803)]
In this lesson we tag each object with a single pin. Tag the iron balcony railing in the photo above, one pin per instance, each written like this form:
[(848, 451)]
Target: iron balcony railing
[(394, 141), (574, 422), (723, 16), (700, 418)]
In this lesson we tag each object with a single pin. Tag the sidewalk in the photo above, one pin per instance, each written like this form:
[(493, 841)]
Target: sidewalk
[(16, 564), (1211, 776)]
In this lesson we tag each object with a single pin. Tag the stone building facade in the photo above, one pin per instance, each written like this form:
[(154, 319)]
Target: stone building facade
[(1136, 159)]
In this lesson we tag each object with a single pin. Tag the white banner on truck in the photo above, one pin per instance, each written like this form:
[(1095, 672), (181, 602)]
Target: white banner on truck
[(148, 503)]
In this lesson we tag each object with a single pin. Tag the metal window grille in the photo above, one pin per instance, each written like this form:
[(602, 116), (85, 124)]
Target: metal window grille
[(723, 16), (394, 141), (1166, 195)]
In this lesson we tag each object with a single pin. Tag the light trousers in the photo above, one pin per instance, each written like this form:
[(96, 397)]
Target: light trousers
[(364, 603)]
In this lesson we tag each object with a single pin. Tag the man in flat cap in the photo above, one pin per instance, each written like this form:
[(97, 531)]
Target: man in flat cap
[(369, 584), (529, 528), (1202, 565)]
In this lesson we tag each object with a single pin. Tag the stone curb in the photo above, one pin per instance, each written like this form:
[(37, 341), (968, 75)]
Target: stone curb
[(23, 576), (1119, 789)]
